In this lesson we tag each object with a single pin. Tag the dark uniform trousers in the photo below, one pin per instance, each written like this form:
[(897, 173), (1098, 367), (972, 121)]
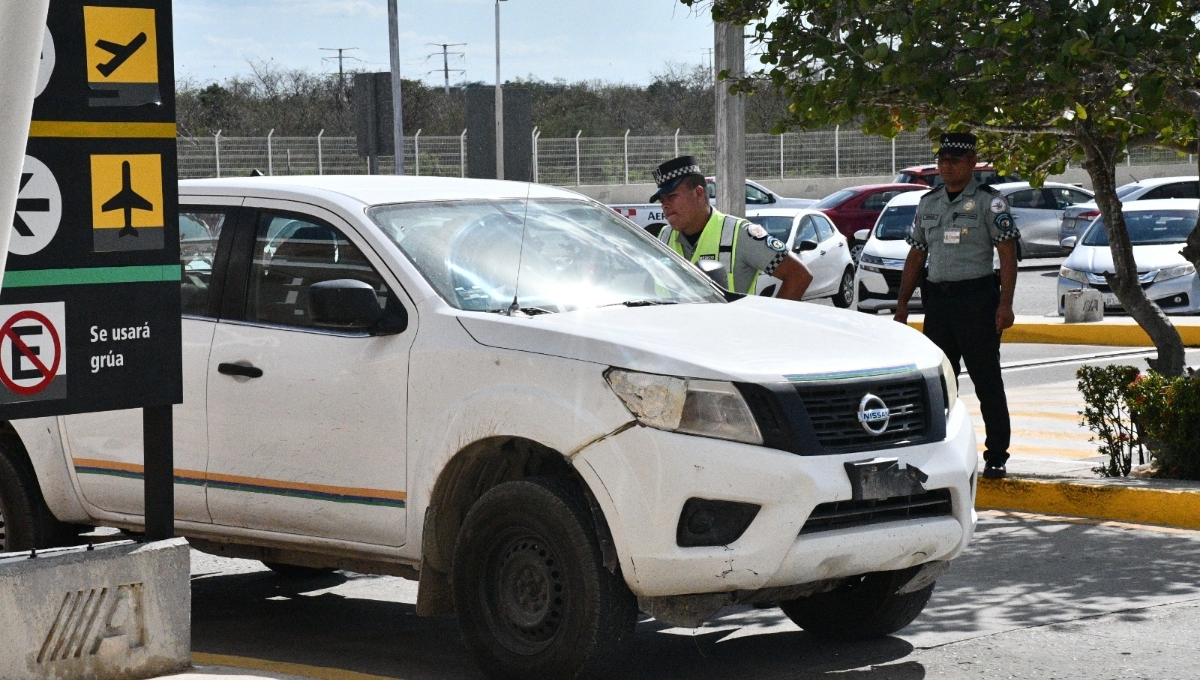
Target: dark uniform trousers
[(960, 318)]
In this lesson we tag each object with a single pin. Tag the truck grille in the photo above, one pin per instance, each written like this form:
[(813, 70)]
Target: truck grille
[(833, 411), (847, 514)]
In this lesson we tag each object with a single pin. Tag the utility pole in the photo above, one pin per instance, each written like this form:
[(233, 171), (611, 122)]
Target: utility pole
[(446, 54), (499, 103), (730, 56), (397, 102), (708, 54), (341, 68)]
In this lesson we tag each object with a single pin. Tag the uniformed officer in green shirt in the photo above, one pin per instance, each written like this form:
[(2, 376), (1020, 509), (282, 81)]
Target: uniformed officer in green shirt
[(698, 231), (967, 306)]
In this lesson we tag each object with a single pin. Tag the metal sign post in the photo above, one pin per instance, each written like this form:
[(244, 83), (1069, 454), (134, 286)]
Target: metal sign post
[(90, 308)]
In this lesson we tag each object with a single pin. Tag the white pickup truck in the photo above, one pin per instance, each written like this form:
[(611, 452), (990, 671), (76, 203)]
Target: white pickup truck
[(536, 410), (649, 216)]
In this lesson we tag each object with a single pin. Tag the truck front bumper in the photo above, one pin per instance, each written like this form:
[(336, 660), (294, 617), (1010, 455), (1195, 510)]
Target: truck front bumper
[(642, 478)]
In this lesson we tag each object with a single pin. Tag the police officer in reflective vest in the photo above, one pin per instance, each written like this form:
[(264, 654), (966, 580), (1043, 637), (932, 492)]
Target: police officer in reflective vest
[(967, 306), (697, 231)]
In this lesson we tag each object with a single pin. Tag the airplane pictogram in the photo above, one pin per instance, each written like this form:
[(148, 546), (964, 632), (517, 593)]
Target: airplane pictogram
[(128, 200), (121, 53), (28, 205)]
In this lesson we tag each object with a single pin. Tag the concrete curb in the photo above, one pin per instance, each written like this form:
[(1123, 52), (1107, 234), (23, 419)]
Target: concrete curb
[(1120, 331), (1178, 508)]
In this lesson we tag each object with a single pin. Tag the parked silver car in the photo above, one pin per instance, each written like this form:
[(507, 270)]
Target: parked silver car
[(1157, 229), (1076, 218), (1038, 214)]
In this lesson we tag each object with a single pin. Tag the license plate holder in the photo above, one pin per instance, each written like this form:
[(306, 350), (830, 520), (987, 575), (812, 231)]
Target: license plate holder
[(1111, 300), (881, 478)]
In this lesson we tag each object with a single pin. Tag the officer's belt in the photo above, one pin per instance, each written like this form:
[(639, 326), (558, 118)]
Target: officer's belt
[(957, 288)]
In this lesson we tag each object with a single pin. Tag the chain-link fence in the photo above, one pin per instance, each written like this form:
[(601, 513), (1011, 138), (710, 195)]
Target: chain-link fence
[(583, 160)]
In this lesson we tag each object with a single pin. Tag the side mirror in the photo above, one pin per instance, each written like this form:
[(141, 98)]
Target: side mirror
[(715, 271), (771, 198), (1068, 242), (807, 244), (862, 235), (344, 304)]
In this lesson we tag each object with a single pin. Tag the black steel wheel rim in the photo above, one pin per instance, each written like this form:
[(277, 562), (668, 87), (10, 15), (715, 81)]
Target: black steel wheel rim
[(524, 592)]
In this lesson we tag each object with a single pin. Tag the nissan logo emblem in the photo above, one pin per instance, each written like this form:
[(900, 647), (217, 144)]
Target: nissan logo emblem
[(873, 415)]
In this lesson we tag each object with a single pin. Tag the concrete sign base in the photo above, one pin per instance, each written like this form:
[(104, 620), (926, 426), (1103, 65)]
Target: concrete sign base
[(1085, 305), (119, 612)]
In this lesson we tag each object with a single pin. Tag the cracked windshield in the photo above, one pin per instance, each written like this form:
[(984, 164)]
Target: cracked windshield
[(575, 256)]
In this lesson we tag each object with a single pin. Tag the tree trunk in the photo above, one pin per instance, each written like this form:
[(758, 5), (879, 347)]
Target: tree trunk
[(1191, 250), (1101, 152)]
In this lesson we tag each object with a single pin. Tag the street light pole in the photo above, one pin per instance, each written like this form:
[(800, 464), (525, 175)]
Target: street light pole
[(397, 105), (499, 103)]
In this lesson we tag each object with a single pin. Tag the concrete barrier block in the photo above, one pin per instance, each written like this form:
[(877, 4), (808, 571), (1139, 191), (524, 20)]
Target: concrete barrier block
[(119, 612), (1085, 305)]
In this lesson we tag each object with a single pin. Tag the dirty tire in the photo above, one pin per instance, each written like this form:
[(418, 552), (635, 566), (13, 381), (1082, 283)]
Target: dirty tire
[(866, 607), (25, 521), (296, 571), (531, 593), (844, 297)]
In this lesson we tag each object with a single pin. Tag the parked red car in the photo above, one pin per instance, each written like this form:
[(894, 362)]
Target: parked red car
[(929, 176), (857, 208)]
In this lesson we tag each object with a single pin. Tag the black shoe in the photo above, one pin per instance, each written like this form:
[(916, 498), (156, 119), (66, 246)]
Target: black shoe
[(994, 472)]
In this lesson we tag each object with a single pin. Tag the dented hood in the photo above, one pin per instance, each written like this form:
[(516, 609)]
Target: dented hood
[(754, 339)]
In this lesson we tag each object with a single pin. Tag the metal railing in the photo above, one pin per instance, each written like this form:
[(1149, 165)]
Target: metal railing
[(581, 160)]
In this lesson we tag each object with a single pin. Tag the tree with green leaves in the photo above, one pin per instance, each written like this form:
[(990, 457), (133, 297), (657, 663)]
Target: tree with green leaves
[(1041, 83)]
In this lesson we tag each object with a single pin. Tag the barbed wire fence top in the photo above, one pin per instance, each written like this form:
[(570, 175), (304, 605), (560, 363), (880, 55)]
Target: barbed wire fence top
[(584, 160)]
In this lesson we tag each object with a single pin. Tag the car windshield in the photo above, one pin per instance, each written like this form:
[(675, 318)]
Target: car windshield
[(895, 222), (779, 226), (575, 255), (1127, 189), (833, 200), (1148, 227)]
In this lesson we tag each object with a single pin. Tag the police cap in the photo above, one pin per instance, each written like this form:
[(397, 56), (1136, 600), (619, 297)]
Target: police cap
[(668, 175), (956, 144)]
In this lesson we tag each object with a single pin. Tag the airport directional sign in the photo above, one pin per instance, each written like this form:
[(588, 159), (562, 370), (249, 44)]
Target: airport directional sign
[(90, 302)]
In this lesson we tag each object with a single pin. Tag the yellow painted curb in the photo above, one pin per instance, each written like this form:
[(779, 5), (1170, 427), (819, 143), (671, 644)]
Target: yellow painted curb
[(248, 663), (1117, 331), (1136, 505)]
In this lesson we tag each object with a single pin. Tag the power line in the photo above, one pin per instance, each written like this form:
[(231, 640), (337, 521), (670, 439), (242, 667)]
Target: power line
[(340, 58), (446, 53)]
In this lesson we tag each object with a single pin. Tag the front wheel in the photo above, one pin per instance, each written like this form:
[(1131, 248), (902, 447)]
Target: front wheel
[(856, 249), (531, 593), (25, 521), (863, 608), (845, 294)]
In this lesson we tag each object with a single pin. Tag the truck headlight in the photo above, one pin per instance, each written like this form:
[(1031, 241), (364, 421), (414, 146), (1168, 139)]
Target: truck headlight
[(707, 408), (1175, 272), (1073, 275), (950, 383)]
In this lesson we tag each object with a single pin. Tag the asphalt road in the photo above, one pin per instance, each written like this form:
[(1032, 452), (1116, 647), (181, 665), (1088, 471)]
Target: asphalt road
[(1027, 365), (1031, 598)]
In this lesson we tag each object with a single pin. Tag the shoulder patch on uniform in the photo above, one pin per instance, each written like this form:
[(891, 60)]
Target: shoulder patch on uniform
[(998, 205), (775, 244), (1004, 221), (756, 231)]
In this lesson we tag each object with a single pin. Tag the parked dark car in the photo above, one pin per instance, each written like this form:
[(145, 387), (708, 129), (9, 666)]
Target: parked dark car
[(856, 208)]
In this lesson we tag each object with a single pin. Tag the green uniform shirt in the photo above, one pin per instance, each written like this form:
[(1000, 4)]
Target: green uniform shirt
[(959, 235), (752, 250)]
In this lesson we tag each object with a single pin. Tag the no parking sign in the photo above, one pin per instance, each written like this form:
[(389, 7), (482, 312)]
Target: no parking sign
[(33, 363)]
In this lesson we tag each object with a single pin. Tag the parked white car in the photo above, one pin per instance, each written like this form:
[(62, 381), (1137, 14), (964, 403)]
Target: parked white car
[(1077, 217), (1158, 230), (813, 238), (538, 411)]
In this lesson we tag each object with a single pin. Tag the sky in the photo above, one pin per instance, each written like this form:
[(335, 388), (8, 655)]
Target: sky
[(624, 41)]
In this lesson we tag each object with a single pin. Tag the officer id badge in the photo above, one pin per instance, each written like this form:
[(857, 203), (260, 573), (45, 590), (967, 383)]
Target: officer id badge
[(952, 235)]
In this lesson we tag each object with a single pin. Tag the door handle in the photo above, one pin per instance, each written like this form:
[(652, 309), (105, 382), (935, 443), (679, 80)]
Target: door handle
[(239, 369)]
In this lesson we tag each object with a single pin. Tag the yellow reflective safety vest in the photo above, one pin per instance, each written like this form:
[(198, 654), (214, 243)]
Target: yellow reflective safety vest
[(717, 242)]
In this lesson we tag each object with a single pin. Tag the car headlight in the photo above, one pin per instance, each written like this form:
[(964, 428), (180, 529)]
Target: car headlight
[(950, 383), (870, 259), (1175, 272), (707, 408), (1073, 274)]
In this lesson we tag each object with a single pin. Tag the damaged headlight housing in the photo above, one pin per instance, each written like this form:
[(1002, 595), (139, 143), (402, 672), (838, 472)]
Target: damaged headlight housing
[(949, 384), (707, 408)]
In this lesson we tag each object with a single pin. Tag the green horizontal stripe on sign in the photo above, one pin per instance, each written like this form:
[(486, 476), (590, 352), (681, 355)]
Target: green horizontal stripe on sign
[(91, 275)]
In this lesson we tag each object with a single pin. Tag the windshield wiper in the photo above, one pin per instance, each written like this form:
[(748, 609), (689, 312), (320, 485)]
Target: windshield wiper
[(642, 303)]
